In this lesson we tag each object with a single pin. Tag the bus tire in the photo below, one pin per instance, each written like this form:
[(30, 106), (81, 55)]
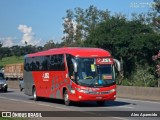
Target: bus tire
[(67, 102), (5, 89), (21, 89), (35, 97), (100, 103)]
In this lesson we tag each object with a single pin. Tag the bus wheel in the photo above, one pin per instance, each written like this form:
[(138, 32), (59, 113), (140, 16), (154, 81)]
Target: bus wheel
[(35, 94), (100, 103), (66, 98), (5, 90), (21, 89)]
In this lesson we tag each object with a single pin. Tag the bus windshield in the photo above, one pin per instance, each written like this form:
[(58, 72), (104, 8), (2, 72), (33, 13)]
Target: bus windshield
[(94, 75)]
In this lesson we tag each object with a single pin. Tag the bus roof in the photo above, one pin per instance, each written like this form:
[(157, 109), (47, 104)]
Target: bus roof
[(75, 51)]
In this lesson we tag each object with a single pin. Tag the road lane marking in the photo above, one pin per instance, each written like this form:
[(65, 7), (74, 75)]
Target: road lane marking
[(125, 107), (63, 108), (118, 107), (120, 118), (35, 103), (53, 106), (13, 100), (140, 100), (16, 100)]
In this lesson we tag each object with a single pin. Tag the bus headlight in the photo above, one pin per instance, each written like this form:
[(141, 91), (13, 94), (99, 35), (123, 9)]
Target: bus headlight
[(113, 90), (73, 91), (82, 90)]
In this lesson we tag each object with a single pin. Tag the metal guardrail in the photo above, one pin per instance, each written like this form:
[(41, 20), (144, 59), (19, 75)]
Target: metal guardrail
[(134, 92)]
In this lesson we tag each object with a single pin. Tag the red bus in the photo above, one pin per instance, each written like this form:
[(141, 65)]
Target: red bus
[(72, 74)]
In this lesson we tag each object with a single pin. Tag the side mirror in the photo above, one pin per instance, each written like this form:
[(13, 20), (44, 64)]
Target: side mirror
[(117, 64), (75, 65)]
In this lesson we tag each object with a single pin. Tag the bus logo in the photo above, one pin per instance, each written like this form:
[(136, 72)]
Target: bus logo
[(103, 61), (45, 76)]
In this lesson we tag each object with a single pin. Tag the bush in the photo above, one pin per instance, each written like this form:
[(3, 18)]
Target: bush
[(142, 76)]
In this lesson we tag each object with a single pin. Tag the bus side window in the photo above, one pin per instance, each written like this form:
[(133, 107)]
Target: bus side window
[(45, 63), (57, 62)]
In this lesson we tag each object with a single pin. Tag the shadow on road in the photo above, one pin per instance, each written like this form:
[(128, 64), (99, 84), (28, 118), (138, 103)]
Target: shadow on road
[(9, 91), (85, 104), (107, 104), (47, 100)]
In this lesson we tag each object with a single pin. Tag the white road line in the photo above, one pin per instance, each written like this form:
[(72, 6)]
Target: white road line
[(140, 100), (120, 118), (54, 106), (128, 107), (125, 107), (63, 108), (16, 100), (36, 103)]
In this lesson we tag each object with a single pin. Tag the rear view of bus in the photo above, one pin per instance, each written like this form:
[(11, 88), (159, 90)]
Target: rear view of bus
[(88, 75)]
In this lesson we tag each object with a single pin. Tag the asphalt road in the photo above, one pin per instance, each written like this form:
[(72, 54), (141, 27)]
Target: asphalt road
[(14, 100)]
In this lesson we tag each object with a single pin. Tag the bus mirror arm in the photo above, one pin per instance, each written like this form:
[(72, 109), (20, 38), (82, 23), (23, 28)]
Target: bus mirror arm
[(117, 64)]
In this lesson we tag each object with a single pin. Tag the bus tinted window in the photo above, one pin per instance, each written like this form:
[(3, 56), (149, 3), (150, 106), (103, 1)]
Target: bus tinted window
[(33, 66), (45, 63), (57, 63)]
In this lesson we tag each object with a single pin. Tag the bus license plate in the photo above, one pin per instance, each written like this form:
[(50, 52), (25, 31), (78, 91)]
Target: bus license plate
[(98, 97)]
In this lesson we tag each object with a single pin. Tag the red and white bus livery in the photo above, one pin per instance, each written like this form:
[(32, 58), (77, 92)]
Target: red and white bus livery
[(72, 74)]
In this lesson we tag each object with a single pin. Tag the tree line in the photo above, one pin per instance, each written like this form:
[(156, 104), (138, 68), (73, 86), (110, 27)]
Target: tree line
[(134, 41)]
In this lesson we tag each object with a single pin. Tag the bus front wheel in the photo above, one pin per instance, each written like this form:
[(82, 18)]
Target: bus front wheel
[(66, 98), (35, 97)]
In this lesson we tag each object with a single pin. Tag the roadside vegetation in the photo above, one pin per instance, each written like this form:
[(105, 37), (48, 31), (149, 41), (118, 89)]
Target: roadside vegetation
[(11, 60), (134, 41), (3, 118)]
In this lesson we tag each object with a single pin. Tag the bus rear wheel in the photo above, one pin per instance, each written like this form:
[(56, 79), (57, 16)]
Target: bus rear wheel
[(67, 102), (100, 103), (5, 89), (35, 97)]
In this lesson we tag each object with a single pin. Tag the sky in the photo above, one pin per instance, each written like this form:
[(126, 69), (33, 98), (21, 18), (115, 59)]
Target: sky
[(38, 21)]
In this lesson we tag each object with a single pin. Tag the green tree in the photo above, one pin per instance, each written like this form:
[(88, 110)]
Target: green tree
[(133, 41), (157, 5), (156, 15), (68, 25), (156, 59), (49, 45), (1, 54), (79, 31), (80, 22), (1, 44)]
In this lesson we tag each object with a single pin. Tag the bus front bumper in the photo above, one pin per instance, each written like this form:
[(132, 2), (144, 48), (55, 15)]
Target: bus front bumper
[(79, 96)]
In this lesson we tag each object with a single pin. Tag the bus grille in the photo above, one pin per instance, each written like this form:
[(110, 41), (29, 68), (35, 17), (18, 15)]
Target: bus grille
[(101, 93)]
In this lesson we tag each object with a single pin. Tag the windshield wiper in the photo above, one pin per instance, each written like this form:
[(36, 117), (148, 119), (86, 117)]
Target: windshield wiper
[(92, 83), (98, 86)]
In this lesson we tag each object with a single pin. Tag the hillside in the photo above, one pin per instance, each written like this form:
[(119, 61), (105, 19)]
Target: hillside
[(11, 60)]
